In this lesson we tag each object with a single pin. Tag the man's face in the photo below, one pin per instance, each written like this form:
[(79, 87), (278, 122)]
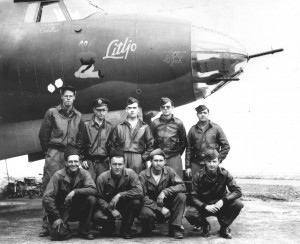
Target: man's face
[(166, 109), (212, 165), (203, 116), (132, 110), (100, 112), (117, 164), (68, 98), (73, 163), (158, 162)]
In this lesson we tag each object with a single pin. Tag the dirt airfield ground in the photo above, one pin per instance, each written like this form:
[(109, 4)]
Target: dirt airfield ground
[(271, 215)]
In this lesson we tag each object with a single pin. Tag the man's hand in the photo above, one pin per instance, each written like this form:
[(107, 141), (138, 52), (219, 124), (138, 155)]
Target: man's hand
[(113, 203), (188, 173), (85, 165), (160, 198), (165, 212), (116, 214), (68, 199), (211, 208), (219, 204), (58, 223)]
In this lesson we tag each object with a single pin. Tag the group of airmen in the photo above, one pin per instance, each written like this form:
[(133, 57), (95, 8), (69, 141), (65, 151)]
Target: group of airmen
[(97, 173)]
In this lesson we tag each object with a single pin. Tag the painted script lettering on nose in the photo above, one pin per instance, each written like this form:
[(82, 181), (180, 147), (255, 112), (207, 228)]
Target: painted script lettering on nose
[(119, 50)]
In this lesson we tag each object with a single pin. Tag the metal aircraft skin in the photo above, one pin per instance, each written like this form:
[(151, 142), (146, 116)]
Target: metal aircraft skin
[(101, 55)]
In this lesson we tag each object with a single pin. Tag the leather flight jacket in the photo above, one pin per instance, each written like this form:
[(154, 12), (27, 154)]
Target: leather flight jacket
[(169, 135), (140, 140), (59, 128)]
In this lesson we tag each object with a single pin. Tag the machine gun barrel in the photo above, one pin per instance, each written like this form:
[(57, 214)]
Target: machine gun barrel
[(265, 53)]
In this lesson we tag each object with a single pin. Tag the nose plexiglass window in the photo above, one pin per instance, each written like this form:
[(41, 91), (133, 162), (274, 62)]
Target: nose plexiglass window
[(216, 59)]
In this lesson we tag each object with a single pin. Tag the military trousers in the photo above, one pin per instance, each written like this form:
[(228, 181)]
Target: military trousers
[(134, 161), (225, 216), (54, 161), (97, 165), (81, 209), (128, 209), (175, 163), (176, 205), (196, 167)]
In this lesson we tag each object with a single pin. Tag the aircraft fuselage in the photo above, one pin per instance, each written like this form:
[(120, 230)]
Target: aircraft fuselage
[(102, 55)]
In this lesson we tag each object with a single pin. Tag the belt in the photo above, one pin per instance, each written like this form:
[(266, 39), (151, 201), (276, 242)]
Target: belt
[(96, 157), (199, 162), (60, 148)]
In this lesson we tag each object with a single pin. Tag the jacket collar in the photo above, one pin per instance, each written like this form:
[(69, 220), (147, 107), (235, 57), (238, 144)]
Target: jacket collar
[(62, 109), (67, 178), (123, 178), (151, 179), (140, 122), (148, 171), (219, 171), (95, 123), (161, 118), (209, 125)]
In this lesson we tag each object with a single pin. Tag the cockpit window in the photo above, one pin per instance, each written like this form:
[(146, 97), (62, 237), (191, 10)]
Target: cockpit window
[(31, 11), (82, 9), (57, 11), (50, 12)]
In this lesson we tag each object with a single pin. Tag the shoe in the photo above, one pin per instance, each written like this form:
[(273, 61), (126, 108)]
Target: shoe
[(97, 228), (176, 233), (225, 232), (67, 236), (182, 227), (86, 236), (44, 232), (146, 232), (107, 233), (61, 235), (196, 228), (127, 235), (206, 229), (69, 229), (133, 229), (108, 230)]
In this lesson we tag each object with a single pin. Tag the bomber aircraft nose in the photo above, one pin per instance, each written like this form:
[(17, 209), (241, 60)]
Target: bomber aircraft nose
[(216, 60)]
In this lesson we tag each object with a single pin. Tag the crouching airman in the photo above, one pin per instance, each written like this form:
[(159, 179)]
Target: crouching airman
[(211, 198)]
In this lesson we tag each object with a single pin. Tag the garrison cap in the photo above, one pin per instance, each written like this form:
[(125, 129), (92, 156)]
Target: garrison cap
[(71, 150), (131, 100), (201, 108), (116, 153), (67, 88), (211, 154), (165, 100), (100, 102), (157, 151)]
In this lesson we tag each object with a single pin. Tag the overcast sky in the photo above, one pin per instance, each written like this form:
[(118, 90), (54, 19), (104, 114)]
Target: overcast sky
[(259, 113)]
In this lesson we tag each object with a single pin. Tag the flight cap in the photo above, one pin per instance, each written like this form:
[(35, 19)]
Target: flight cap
[(67, 88), (100, 102), (201, 108), (157, 151), (165, 100), (132, 100), (116, 153), (211, 154), (71, 150)]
